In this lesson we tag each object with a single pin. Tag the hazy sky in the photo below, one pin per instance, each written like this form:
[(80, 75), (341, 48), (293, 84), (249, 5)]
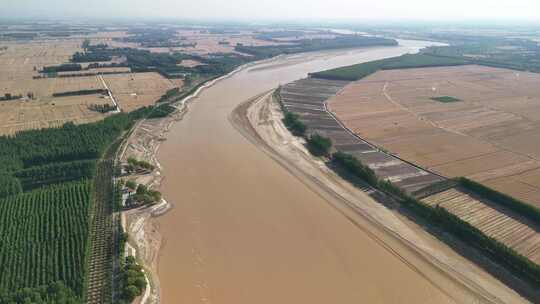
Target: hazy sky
[(357, 10)]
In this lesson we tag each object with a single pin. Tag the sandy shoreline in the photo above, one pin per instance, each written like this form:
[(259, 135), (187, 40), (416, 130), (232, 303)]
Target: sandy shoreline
[(143, 143)]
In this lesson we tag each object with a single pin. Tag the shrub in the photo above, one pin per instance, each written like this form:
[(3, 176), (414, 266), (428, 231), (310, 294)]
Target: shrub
[(293, 123), (142, 189), (133, 281), (355, 167), (134, 164), (131, 184), (319, 145)]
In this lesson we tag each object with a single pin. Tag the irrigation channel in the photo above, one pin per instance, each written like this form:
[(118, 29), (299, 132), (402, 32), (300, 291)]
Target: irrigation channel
[(245, 229)]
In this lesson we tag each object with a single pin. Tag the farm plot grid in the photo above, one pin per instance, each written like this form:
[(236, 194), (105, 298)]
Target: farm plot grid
[(503, 225), (307, 98), (21, 61), (492, 135), (136, 90)]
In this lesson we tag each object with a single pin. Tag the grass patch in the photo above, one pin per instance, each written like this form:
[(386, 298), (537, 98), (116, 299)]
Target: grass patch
[(445, 99)]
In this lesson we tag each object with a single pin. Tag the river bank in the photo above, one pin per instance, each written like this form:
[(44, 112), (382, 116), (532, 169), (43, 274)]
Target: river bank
[(143, 144), (260, 120)]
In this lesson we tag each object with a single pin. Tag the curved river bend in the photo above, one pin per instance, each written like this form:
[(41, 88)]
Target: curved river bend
[(245, 230)]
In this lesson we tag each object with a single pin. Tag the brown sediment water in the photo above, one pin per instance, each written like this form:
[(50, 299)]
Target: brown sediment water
[(245, 230)]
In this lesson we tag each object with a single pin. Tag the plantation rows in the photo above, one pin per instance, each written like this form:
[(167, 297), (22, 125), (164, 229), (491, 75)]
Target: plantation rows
[(67, 143), (37, 158), (98, 286), (43, 236), (55, 173)]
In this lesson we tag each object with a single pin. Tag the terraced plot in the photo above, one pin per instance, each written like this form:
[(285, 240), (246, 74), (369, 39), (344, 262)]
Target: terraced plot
[(307, 98), (501, 224)]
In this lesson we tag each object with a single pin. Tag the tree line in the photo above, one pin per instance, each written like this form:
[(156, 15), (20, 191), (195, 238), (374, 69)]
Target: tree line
[(81, 92), (523, 209), (359, 71), (311, 45)]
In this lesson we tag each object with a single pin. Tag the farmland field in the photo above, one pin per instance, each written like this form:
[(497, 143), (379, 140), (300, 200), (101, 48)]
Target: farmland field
[(135, 90), (492, 135), (21, 62), (202, 42), (18, 116)]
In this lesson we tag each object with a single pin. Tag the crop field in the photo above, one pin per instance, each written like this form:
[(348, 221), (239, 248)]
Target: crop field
[(18, 116), (135, 90), (45, 110), (506, 227), (306, 98), (492, 135), (19, 64), (19, 60), (205, 42)]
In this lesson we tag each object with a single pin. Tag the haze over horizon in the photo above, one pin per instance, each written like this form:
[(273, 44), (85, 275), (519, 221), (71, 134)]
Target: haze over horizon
[(285, 10)]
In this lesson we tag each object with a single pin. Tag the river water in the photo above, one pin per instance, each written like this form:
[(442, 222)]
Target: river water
[(245, 230)]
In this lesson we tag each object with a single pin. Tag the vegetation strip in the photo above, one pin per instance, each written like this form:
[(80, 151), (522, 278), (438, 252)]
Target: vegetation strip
[(81, 92), (523, 209), (407, 61), (440, 217)]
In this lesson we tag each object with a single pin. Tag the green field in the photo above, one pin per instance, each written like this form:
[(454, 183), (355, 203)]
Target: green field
[(445, 99)]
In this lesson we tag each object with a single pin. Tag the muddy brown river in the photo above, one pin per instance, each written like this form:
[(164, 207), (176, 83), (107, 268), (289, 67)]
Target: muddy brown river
[(245, 230)]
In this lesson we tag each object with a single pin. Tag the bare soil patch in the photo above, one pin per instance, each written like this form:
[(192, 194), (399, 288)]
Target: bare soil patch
[(491, 135), (136, 90)]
